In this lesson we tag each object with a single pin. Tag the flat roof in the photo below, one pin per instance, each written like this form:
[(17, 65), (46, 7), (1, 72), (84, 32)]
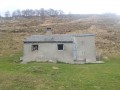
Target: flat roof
[(68, 38)]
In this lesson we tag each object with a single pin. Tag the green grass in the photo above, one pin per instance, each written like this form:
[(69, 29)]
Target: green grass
[(51, 76)]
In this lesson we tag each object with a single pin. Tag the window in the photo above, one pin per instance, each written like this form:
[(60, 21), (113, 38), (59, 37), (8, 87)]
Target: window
[(34, 47), (60, 47)]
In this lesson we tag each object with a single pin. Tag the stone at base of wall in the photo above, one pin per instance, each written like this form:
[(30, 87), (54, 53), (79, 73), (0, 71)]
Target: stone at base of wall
[(80, 61), (97, 62)]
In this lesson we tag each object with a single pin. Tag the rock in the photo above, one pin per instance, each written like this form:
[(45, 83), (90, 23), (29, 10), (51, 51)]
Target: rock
[(105, 57), (55, 67)]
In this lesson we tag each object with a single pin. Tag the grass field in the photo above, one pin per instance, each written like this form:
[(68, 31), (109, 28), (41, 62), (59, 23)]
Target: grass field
[(51, 76)]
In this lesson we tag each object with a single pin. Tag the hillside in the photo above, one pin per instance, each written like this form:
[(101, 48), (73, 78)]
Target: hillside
[(106, 27)]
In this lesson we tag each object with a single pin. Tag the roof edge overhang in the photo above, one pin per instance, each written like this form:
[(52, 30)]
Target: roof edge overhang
[(83, 35), (48, 41)]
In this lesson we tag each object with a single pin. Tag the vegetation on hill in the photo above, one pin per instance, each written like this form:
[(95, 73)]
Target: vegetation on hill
[(106, 27)]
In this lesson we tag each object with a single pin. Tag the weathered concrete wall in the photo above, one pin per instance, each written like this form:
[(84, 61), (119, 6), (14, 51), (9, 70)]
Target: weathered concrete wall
[(86, 48), (48, 51), (90, 49)]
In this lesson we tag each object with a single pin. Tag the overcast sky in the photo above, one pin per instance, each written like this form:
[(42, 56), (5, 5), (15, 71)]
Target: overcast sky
[(73, 6)]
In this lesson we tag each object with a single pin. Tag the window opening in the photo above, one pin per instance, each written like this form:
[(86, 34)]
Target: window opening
[(34, 47), (60, 46)]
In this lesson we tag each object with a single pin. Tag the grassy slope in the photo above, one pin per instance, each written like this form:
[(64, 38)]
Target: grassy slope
[(50, 76)]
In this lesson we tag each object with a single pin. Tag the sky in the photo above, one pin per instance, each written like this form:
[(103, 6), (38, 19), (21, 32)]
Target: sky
[(68, 6)]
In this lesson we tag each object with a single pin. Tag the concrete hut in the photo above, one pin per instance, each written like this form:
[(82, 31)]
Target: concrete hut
[(67, 48)]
